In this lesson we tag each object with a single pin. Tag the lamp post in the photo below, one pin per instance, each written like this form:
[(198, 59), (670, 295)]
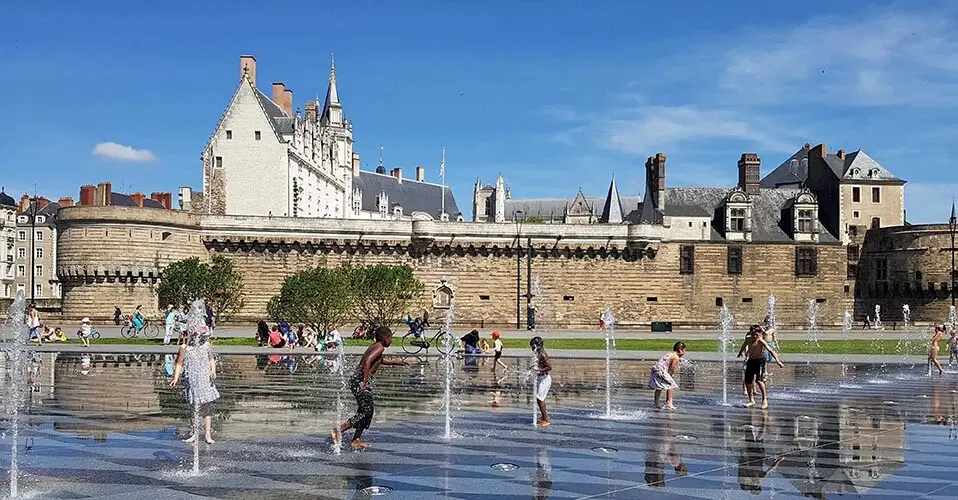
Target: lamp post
[(953, 226), (517, 219), (33, 243), (530, 312)]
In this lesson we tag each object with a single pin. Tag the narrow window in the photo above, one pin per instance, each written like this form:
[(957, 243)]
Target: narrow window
[(258, 135), (686, 259), (734, 264), (852, 253), (876, 195), (229, 134), (852, 271), (881, 269), (737, 219), (651, 299), (876, 222), (856, 214), (719, 302), (568, 298), (483, 297), (806, 261), (856, 195), (804, 221), (746, 300), (821, 301), (219, 162)]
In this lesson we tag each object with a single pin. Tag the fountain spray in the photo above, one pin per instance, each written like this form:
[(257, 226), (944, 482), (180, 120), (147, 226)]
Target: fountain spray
[(772, 321), (726, 322), (340, 404), (447, 362), (813, 339), (15, 335), (608, 323), (846, 327), (952, 317)]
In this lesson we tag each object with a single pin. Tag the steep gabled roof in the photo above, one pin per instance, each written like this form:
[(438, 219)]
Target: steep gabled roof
[(270, 109), (867, 167), (612, 209)]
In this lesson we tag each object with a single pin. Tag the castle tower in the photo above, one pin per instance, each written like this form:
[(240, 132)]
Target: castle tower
[(339, 144), (500, 199)]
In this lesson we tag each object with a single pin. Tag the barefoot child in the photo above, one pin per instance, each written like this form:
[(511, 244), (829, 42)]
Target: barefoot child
[(660, 379), (933, 350), (543, 379), (497, 348), (196, 361), (86, 329), (754, 348), (359, 386)]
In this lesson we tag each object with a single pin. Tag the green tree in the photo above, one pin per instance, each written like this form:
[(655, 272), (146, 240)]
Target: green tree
[(533, 220), (322, 298), (386, 292), (186, 280)]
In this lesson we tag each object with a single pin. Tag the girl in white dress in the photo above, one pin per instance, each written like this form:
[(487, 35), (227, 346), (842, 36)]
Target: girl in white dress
[(195, 358), (660, 378)]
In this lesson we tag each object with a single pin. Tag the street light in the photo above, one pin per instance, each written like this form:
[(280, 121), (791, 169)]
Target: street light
[(953, 226), (33, 243), (517, 219)]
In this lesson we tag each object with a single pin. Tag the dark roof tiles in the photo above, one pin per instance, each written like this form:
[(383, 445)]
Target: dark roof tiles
[(412, 195)]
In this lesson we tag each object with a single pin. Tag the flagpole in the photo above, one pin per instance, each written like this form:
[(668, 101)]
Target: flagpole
[(442, 179)]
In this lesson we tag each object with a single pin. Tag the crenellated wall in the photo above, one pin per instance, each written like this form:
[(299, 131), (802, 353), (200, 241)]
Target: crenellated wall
[(115, 255)]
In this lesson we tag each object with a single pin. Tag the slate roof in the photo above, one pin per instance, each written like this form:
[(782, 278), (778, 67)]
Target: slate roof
[(555, 208), (50, 212), (411, 195), (782, 176), (281, 123), (123, 200), (612, 209), (6, 200), (767, 223)]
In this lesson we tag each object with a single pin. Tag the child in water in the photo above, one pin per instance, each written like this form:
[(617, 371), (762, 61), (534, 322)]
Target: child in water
[(543, 378), (952, 345), (660, 378), (195, 359)]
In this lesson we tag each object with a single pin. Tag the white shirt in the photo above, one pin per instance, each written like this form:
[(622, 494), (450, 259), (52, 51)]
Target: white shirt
[(497, 346)]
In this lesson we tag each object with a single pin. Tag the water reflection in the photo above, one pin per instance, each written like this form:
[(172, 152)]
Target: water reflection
[(542, 476), (662, 451)]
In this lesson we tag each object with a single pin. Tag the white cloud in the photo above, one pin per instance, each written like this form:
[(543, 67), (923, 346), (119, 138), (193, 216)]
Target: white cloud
[(120, 152)]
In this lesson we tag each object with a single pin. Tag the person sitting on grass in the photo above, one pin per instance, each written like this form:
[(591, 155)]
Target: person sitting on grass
[(276, 338)]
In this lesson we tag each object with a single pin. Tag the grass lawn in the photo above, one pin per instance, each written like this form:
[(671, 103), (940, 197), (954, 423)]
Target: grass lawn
[(854, 346)]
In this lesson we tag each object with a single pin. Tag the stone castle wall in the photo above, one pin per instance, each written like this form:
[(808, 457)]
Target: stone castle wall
[(114, 255), (916, 270)]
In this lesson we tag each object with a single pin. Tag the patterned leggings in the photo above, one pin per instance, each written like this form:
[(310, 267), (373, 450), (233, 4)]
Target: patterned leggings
[(364, 406)]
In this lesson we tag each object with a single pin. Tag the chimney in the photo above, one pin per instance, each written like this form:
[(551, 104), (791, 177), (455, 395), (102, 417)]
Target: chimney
[(311, 111), (397, 173), (248, 68), (420, 173), (42, 203), (137, 198), (24, 203), (164, 199), (66, 201), (841, 154), (104, 194), (186, 198), (288, 102), (279, 96), (749, 171), (820, 151), (87, 195), (355, 164), (655, 179)]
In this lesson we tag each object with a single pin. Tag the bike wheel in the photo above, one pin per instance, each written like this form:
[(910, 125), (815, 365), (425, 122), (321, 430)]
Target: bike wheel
[(128, 332), (411, 344), (445, 343), (151, 331)]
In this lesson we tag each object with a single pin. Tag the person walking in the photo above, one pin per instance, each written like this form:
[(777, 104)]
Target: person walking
[(33, 323), (116, 315), (933, 350), (170, 323)]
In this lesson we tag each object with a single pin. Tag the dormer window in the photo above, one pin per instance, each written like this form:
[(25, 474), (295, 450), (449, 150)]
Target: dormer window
[(805, 221), (804, 214), (382, 203), (737, 219), (738, 216), (397, 212), (856, 172), (873, 173)]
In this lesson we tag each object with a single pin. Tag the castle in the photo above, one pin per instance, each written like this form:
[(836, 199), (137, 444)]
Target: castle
[(805, 232)]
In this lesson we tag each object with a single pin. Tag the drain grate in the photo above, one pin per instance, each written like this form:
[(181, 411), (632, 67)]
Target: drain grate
[(376, 491), (604, 449), (505, 467)]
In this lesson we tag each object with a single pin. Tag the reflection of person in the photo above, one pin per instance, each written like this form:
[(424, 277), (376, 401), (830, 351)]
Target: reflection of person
[(195, 358), (359, 386), (660, 451), (751, 460), (542, 477)]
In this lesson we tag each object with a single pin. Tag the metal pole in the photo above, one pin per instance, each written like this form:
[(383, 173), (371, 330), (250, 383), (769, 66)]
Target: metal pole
[(518, 221), (33, 251), (530, 322), (953, 223)]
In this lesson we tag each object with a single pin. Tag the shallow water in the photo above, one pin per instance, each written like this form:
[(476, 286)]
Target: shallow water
[(108, 425)]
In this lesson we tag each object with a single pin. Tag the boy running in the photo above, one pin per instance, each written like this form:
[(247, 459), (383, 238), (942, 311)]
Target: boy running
[(359, 386), (497, 348), (543, 378), (754, 348)]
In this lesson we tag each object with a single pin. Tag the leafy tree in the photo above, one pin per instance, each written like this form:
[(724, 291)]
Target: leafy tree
[(532, 220), (386, 292), (322, 298), (186, 280)]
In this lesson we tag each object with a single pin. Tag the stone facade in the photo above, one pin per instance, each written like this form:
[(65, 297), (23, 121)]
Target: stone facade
[(115, 255), (905, 265), (39, 240), (8, 234)]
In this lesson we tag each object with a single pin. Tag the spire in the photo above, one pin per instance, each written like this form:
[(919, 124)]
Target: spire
[(332, 95), (612, 210), (649, 214), (332, 110), (953, 216), (381, 169)]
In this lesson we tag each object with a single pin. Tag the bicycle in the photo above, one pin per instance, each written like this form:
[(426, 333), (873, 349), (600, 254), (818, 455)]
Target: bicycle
[(148, 329), (444, 343), (94, 334)]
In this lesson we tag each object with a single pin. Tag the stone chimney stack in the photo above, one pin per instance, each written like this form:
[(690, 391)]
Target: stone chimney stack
[(655, 179), (397, 173), (420, 173), (288, 102), (66, 201), (248, 68), (104, 194), (841, 154), (165, 199), (87, 195), (283, 97), (42, 203), (749, 171), (355, 164), (186, 198), (311, 111), (137, 198)]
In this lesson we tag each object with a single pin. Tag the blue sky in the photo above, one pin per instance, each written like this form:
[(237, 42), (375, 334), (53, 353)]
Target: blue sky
[(553, 95)]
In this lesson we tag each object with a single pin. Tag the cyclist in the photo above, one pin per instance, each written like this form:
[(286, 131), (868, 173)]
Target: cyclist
[(138, 320)]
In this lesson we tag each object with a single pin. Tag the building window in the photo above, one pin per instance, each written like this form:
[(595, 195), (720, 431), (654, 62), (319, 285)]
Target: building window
[(876, 222), (483, 297), (568, 298), (22, 235), (856, 214), (804, 221), (38, 271), (876, 195), (21, 253), (734, 260), (918, 276), (39, 252), (41, 219), (856, 194), (229, 134), (881, 269), (257, 135), (852, 271), (39, 290), (853, 231), (806, 261), (746, 300), (219, 162), (737, 222), (21, 271), (686, 259), (852, 253), (38, 235), (719, 302), (651, 299)]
